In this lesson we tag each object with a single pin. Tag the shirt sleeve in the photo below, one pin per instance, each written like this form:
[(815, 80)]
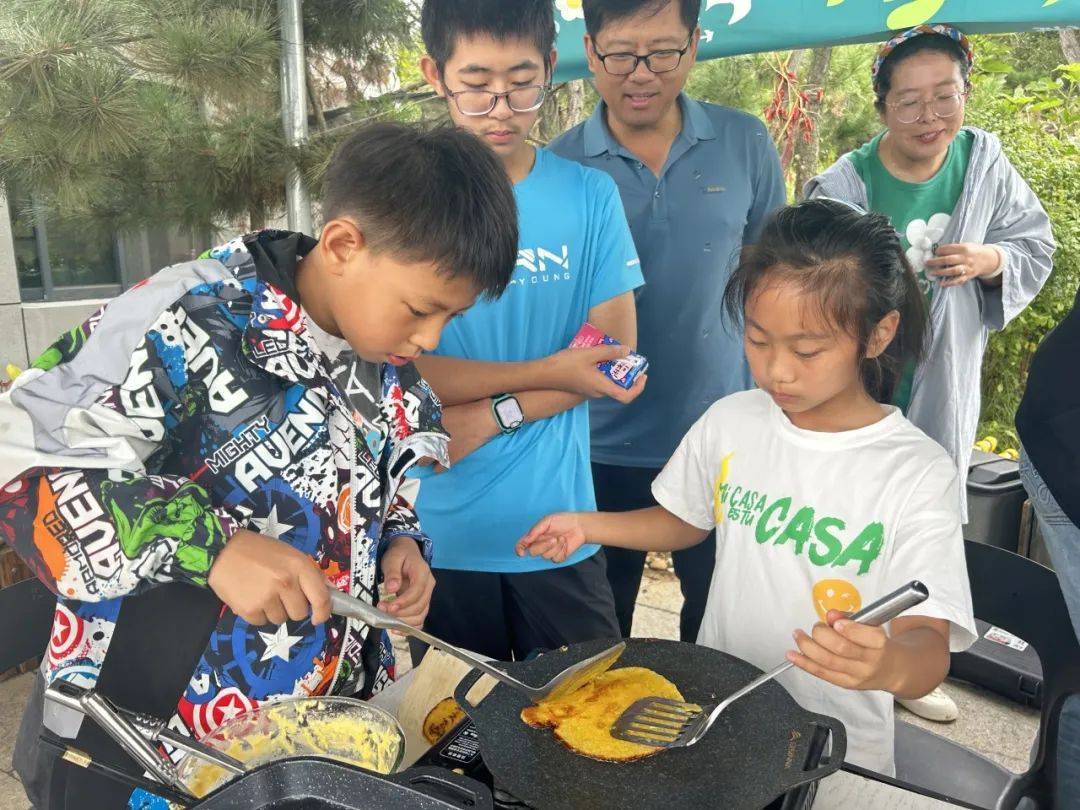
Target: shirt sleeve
[(103, 524), (929, 547), (615, 268), (1020, 230), (770, 192), (689, 485)]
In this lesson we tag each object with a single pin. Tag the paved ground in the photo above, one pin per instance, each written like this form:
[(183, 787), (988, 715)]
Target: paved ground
[(995, 727)]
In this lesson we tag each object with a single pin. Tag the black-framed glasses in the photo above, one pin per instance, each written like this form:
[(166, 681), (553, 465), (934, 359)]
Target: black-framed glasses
[(482, 102), (943, 106), (662, 61)]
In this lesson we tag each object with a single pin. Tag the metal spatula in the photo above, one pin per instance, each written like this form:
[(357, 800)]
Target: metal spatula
[(670, 723), (571, 678)]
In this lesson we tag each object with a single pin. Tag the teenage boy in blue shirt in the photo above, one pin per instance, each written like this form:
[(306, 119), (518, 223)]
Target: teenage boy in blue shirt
[(514, 396), (698, 181)]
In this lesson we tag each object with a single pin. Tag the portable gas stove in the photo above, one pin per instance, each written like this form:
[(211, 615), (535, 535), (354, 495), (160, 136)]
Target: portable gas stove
[(459, 752)]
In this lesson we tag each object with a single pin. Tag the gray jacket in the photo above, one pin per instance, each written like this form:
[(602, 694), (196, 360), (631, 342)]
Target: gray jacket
[(997, 208)]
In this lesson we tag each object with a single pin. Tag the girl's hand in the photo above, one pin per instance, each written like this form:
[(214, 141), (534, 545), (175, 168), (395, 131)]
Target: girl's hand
[(959, 263), (555, 537), (845, 653)]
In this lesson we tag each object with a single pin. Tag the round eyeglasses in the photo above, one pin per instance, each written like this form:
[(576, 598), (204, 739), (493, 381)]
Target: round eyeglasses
[(908, 112), (481, 102), (663, 61)]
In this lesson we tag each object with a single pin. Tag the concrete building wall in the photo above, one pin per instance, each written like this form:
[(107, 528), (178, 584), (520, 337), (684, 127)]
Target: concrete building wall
[(27, 329), (44, 322), (12, 336)]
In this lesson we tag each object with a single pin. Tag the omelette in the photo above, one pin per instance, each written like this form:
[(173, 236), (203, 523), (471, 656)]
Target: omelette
[(582, 720)]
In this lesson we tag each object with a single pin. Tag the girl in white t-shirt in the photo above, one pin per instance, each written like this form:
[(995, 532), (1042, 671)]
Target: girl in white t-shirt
[(822, 498)]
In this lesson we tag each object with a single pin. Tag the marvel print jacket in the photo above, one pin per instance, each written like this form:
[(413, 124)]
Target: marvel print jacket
[(195, 404)]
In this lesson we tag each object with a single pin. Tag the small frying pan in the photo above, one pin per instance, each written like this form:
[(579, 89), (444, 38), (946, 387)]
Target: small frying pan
[(759, 748)]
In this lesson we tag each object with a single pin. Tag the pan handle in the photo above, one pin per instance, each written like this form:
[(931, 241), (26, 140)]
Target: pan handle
[(464, 686), (837, 735)]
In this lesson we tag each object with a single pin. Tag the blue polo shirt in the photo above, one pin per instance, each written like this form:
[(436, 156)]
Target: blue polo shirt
[(721, 180), (574, 252)]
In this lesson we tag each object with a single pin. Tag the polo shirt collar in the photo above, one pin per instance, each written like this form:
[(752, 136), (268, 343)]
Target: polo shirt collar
[(598, 138)]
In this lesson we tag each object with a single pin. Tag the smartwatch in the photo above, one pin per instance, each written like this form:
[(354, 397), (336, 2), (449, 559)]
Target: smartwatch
[(507, 412)]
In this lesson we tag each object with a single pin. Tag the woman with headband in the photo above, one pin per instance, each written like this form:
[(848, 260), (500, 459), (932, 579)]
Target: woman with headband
[(975, 233)]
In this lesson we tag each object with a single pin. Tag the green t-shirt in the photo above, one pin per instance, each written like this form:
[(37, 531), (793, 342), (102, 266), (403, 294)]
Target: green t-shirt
[(920, 212)]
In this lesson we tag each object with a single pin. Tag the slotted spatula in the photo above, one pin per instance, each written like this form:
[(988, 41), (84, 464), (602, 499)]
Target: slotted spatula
[(571, 678), (667, 723)]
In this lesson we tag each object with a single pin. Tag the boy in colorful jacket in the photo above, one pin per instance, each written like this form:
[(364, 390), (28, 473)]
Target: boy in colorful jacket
[(243, 423)]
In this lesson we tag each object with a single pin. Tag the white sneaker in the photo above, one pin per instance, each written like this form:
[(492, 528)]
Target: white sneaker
[(936, 706)]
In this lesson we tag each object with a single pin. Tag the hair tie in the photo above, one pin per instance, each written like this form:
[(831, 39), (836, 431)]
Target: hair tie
[(955, 34)]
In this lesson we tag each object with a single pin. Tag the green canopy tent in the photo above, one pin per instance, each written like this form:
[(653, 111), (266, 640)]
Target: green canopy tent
[(730, 27)]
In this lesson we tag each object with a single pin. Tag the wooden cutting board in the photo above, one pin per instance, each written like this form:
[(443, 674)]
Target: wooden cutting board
[(434, 679)]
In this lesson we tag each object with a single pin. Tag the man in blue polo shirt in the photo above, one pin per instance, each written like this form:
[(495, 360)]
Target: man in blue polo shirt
[(513, 394), (697, 181)]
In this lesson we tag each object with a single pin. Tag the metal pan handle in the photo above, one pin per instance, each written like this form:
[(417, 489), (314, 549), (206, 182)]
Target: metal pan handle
[(892, 605)]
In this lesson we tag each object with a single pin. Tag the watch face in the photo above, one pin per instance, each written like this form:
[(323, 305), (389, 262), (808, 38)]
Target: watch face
[(509, 412)]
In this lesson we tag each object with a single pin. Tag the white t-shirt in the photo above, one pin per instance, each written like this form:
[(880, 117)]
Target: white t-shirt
[(808, 521)]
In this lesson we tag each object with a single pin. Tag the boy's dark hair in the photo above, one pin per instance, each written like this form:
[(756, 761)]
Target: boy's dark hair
[(599, 13), (436, 196), (442, 22), (854, 265), (926, 43)]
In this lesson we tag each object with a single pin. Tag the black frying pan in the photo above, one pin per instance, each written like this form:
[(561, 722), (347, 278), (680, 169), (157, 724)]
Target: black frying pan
[(756, 751)]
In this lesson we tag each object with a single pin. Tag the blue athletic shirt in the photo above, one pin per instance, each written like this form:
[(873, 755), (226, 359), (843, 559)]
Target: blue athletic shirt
[(575, 252)]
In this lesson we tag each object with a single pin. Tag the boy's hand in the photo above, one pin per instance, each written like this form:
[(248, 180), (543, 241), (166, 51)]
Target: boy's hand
[(409, 581), (266, 581), (845, 653), (555, 537), (471, 426), (575, 371)]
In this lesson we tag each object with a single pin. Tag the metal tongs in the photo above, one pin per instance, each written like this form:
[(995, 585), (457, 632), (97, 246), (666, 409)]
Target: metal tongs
[(66, 704), (567, 681), (667, 723)]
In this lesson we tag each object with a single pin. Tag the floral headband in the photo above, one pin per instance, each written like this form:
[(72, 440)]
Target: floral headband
[(955, 34)]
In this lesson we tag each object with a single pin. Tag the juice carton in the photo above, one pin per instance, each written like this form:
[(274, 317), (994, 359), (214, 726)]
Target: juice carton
[(622, 371)]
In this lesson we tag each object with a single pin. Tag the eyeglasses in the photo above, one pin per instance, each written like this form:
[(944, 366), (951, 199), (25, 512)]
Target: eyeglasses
[(908, 112), (482, 102), (623, 64)]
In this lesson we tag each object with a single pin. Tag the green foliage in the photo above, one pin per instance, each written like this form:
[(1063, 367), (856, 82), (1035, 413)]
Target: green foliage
[(132, 112), (1048, 158)]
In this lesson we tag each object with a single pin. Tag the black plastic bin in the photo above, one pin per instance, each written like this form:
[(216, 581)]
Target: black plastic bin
[(995, 501), (1032, 542)]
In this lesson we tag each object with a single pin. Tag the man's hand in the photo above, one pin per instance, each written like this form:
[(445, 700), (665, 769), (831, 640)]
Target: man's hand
[(408, 580), (266, 581), (471, 426), (959, 263), (554, 537), (575, 371)]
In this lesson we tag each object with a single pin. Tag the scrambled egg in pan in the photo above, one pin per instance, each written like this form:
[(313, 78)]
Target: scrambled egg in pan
[(582, 720), (317, 728)]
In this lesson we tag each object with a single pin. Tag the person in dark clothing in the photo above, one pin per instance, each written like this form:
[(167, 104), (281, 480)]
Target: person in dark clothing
[(1048, 423)]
